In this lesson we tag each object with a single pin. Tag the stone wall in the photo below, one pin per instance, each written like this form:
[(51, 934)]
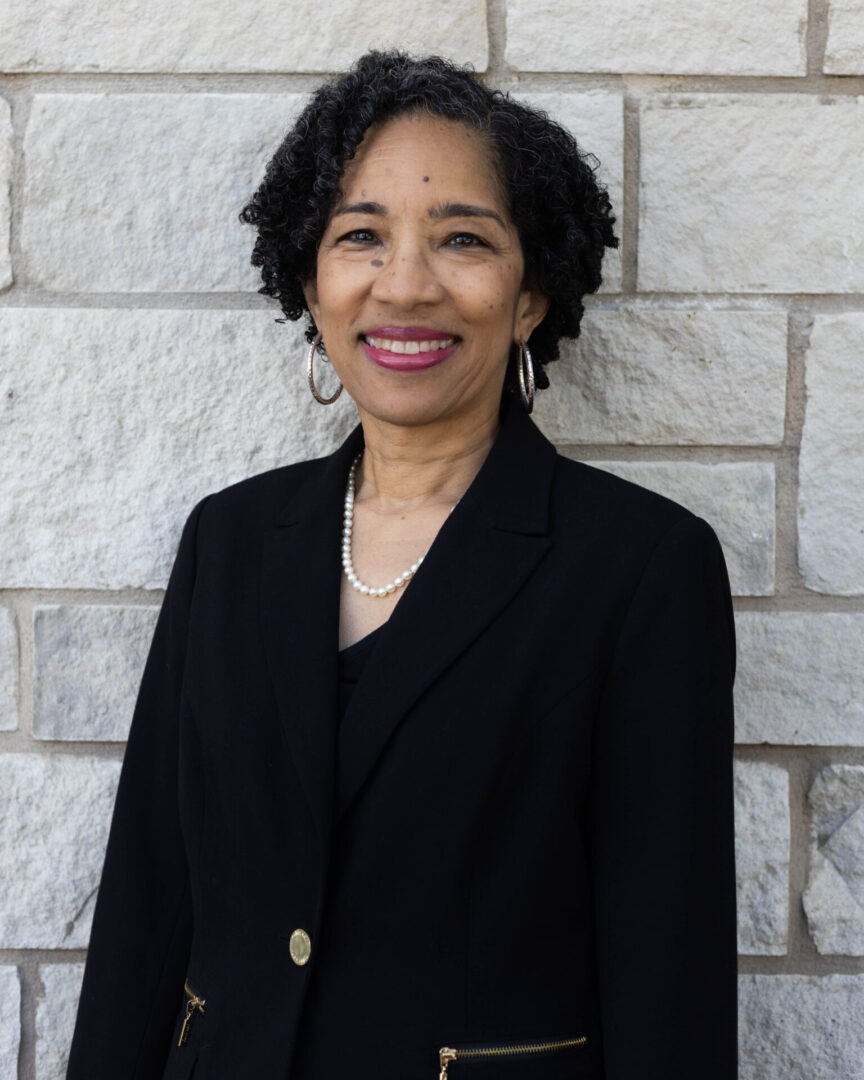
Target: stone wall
[(721, 364)]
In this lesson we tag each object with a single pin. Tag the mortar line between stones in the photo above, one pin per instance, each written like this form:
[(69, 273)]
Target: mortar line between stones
[(31, 991), (496, 32), (800, 778), (18, 297), (629, 229), (800, 324), (20, 107), (816, 37), (191, 83)]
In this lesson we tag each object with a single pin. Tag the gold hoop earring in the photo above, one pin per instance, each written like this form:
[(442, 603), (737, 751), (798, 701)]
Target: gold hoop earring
[(310, 376), (525, 367)]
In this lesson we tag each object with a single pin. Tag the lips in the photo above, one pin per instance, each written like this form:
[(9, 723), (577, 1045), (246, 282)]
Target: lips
[(408, 348), (411, 347)]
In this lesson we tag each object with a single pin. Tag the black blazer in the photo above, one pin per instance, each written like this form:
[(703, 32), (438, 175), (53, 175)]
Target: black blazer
[(521, 834)]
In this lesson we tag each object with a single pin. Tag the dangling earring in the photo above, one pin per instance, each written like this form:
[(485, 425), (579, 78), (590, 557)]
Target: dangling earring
[(525, 367), (310, 377)]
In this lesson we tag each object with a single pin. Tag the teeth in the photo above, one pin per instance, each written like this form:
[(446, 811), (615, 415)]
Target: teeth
[(409, 347)]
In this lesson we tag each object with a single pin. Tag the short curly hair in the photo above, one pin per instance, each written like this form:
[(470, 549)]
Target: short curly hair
[(562, 215)]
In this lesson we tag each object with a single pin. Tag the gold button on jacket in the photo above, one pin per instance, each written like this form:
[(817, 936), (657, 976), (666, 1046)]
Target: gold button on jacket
[(300, 946)]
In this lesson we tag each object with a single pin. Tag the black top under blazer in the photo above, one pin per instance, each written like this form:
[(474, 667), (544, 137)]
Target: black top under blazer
[(521, 833)]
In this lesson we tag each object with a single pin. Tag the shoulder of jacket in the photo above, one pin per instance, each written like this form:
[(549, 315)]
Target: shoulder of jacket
[(257, 498), (618, 506)]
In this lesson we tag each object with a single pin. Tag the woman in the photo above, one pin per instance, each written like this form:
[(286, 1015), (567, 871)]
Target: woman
[(470, 818)]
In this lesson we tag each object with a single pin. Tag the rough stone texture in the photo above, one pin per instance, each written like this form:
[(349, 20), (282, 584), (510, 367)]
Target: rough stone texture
[(5, 181), (831, 462), (801, 1027), (54, 816), (677, 37), (800, 680), (752, 194), (145, 189), (89, 662), (597, 122), (10, 1021), (844, 52), (668, 377), (737, 499), (762, 857), (8, 671), (834, 898), (209, 151), (55, 1018), (119, 421), (222, 36)]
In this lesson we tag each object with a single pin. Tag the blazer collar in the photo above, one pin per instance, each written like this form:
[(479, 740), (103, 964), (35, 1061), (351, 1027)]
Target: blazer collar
[(483, 554)]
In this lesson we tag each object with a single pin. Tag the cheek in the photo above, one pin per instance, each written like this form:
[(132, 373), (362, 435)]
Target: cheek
[(489, 299)]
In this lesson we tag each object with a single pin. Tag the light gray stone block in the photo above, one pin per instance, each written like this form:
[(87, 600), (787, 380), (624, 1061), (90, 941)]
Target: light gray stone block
[(10, 1020), (757, 193), (736, 498), (119, 421), (55, 1018), (762, 857), (801, 1027), (5, 183), (676, 37), (834, 898), (844, 50), (8, 671), (597, 121), (668, 377), (89, 662), (145, 189), (79, 35), (831, 462), (800, 680), (54, 816)]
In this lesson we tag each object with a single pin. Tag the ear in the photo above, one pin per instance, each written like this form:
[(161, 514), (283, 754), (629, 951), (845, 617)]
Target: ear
[(310, 293), (530, 312)]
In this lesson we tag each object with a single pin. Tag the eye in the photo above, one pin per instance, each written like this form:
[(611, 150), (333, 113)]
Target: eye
[(358, 236), (466, 239)]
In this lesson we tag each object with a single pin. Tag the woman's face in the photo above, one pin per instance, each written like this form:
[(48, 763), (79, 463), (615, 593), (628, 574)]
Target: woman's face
[(419, 291)]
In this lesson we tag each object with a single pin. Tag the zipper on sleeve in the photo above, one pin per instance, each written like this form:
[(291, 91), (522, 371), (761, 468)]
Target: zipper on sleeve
[(448, 1054), (193, 1005)]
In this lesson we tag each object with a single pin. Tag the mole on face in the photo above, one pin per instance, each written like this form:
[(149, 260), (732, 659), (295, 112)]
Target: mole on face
[(425, 179), (377, 262)]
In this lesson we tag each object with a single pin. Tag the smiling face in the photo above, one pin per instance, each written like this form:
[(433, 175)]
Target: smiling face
[(419, 289)]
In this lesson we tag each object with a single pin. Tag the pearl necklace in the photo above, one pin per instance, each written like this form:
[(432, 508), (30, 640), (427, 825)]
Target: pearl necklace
[(348, 565)]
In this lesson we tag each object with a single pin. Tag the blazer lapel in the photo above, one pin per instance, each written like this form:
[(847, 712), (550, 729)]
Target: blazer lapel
[(482, 555), (300, 580)]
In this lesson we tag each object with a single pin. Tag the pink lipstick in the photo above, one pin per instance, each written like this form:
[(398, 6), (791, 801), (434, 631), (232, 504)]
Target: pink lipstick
[(408, 348)]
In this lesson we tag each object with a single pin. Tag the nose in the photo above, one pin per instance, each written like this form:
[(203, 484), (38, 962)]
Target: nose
[(407, 277)]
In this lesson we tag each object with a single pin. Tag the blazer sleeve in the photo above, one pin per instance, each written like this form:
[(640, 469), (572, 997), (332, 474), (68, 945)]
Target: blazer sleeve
[(142, 921), (661, 821)]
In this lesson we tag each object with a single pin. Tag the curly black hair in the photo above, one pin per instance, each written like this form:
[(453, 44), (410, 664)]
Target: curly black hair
[(563, 216)]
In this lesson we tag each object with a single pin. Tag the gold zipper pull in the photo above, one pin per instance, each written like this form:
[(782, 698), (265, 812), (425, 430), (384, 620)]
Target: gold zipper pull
[(445, 1055), (191, 1005)]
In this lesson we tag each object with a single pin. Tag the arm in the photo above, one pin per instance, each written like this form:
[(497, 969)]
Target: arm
[(662, 831), (142, 922)]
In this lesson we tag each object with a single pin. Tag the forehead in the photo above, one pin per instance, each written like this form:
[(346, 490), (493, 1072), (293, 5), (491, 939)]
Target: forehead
[(427, 156)]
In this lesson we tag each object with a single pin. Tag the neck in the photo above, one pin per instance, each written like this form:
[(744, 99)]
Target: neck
[(405, 467)]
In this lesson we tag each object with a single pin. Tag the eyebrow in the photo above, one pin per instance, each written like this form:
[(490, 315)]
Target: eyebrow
[(440, 212)]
